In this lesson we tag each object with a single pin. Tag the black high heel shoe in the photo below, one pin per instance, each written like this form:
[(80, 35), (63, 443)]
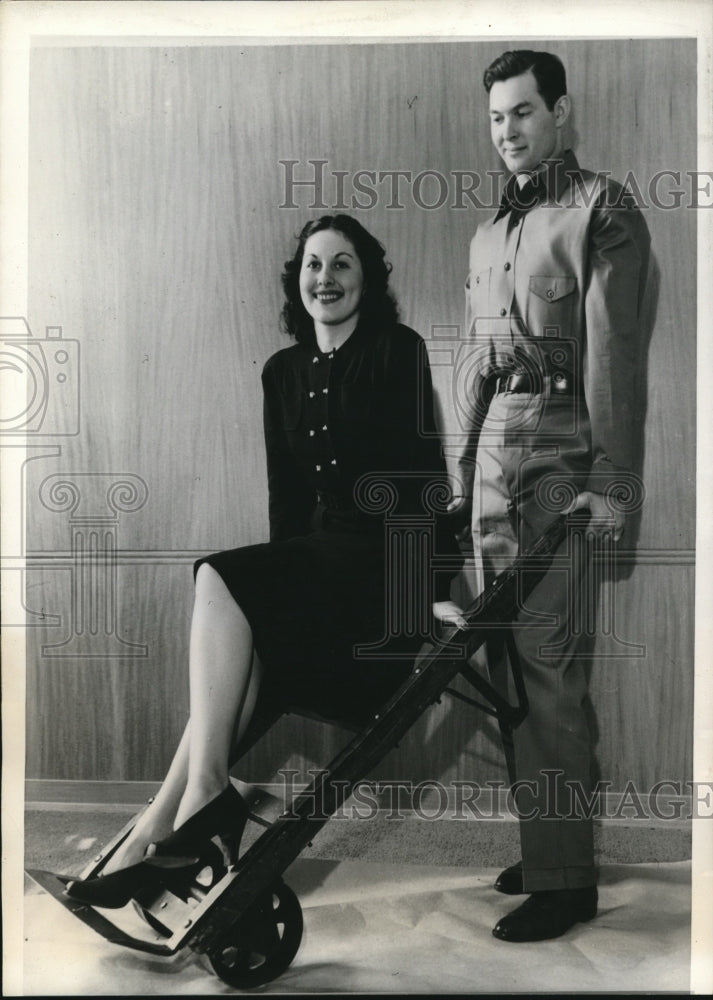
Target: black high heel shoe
[(116, 889), (224, 817)]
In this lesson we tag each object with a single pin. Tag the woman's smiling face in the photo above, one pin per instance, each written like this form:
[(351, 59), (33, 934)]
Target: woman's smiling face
[(331, 279)]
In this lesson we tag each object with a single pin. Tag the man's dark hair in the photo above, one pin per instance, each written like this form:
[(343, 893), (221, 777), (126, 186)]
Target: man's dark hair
[(378, 308), (547, 70)]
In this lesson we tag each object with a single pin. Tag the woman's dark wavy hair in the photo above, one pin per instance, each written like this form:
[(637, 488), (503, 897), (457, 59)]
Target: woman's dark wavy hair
[(378, 307)]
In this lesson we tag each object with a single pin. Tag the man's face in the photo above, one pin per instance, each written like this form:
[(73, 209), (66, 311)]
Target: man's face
[(524, 131)]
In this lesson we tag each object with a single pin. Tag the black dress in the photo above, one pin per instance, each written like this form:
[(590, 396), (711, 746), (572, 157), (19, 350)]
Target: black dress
[(339, 598)]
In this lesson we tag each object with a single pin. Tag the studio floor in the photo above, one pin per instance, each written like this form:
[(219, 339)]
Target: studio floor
[(380, 928), (391, 920)]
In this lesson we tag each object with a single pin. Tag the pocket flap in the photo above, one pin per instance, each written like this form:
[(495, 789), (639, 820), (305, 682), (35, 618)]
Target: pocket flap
[(552, 287)]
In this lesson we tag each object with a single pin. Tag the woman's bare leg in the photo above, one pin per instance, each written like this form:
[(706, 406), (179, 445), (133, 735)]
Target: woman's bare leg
[(221, 668), (224, 681)]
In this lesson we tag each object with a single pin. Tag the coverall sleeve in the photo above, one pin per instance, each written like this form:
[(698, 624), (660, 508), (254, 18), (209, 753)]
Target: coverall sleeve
[(617, 273)]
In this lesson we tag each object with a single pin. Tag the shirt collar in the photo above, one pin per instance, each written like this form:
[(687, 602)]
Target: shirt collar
[(549, 183)]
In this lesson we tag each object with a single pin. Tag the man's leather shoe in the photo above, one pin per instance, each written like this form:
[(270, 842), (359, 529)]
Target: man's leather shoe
[(548, 914), (510, 880)]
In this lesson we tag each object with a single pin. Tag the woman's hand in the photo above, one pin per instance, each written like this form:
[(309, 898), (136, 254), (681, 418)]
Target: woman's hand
[(450, 613), (603, 519), (460, 511)]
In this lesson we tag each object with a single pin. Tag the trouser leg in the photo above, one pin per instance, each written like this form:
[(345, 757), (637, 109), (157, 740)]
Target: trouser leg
[(516, 485), (549, 753), (552, 748)]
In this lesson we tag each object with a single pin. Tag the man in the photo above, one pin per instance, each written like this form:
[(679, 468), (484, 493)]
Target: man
[(553, 299)]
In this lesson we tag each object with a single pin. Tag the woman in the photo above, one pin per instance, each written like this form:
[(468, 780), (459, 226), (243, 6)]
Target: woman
[(351, 446)]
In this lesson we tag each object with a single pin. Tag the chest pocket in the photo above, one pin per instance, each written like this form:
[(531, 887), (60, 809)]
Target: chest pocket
[(550, 304)]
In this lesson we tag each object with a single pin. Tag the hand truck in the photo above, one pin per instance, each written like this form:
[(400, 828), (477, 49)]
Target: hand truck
[(245, 918)]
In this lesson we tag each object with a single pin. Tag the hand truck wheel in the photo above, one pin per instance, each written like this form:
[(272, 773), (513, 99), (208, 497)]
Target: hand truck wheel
[(262, 945)]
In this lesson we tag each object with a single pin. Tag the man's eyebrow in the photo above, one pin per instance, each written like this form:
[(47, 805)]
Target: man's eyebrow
[(517, 107)]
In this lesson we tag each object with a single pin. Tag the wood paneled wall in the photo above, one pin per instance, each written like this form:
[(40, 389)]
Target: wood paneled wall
[(156, 241)]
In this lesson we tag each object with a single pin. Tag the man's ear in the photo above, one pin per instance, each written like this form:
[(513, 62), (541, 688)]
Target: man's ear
[(562, 108)]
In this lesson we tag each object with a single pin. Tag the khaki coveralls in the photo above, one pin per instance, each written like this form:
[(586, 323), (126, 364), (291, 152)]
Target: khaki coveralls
[(553, 300)]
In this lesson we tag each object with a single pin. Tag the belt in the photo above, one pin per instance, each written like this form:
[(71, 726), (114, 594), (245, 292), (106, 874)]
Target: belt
[(561, 383)]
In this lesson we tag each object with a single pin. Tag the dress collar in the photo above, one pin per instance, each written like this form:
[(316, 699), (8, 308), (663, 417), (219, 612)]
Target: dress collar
[(313, 348)]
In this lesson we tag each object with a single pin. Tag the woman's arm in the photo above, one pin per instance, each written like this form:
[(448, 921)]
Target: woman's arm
[(422, 453), (291, 499)]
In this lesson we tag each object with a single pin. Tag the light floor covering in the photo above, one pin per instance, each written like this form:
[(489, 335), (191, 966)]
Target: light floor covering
[(376, 927)]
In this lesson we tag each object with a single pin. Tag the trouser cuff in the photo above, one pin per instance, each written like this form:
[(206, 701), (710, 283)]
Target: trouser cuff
[(539, 879)]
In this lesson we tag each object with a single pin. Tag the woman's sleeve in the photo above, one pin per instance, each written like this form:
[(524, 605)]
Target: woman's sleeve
[(291, 499), (423, 454), (447, 550)]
